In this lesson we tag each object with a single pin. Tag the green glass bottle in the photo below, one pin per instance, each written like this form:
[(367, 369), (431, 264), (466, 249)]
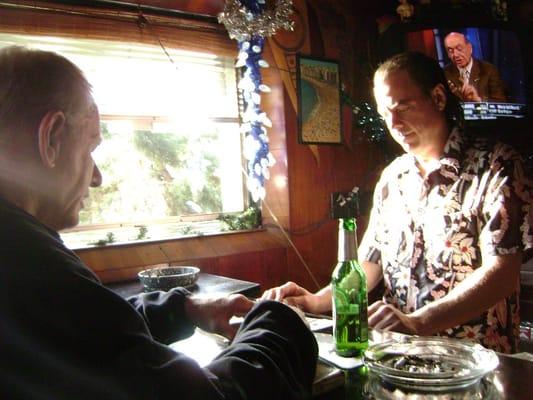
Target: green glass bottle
[(349, 295)]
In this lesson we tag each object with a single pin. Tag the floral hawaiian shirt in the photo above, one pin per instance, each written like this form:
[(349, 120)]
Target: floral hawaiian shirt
[(427, 233)]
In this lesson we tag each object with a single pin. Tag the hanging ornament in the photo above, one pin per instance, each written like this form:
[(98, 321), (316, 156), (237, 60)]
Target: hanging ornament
[(243, 21), (249, 23)]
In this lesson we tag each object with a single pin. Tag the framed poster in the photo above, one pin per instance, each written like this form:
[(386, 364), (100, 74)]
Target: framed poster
[(319, 101)]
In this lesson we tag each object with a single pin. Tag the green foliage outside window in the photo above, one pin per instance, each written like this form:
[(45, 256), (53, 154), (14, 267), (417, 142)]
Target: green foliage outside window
[(160, 170), (248, 219), (109, 238), (164, 149)]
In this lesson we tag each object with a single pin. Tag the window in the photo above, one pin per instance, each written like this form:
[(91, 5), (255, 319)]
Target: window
[(171, 155)]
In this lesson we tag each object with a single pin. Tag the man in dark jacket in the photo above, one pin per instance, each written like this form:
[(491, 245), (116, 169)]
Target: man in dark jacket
[(65, 336), (471, 79)]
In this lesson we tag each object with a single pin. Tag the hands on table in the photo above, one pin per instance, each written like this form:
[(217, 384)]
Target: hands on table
[(388, 318), (295, 295), (213, 314), (381, 315)]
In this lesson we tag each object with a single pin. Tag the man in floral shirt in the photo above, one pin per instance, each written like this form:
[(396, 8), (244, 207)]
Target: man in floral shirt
[(450, 223)]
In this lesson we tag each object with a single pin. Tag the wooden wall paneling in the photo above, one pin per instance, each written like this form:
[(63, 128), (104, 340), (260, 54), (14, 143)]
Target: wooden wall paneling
[(268, 268), (264, 267), (209, 265), (274, 268), (186, 249), (330, 25), (300, 202), (318, 249), (247, 266), (205, 7), (115, 263), (311, 182), (273, 103), (324, 241), (337, 168), (277, 188), (277, 199), (297, 271)]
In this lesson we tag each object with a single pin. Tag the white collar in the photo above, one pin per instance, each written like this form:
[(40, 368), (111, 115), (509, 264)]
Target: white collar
[(468, 68)]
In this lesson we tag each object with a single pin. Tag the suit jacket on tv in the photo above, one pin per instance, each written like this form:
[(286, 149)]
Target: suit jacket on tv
[(483, 76)]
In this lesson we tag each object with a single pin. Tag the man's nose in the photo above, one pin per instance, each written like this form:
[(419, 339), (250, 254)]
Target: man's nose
[(395, 119), (97, 177)]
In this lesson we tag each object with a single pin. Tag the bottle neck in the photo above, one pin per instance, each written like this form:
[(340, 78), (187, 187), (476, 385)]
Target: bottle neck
[(347, 241)]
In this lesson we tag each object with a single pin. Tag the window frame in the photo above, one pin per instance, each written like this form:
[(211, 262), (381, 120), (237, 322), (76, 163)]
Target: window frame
[(72, 21)]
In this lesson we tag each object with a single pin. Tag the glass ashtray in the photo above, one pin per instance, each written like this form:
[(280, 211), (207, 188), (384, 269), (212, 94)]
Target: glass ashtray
[(431, 364), (377, 389)]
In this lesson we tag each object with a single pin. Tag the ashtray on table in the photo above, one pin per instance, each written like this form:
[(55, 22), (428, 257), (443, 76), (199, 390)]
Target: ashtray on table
[(430, 364), (166, 278)]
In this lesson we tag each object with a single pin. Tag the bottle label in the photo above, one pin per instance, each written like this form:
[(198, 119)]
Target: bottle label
[(349, 309), (350, 328)]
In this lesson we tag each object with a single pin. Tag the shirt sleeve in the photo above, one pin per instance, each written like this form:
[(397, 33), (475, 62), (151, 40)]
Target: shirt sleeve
[(273, 356), (273, 350), (506, 209), (369, 249), (164, 313)]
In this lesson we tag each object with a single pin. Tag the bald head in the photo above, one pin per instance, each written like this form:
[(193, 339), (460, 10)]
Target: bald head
[(456, 36), (459, 49), (33, 82), (49, 127)]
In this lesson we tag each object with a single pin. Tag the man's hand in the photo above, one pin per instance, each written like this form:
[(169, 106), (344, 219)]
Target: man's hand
[(292, 294), (212, 314), (469, 93), (386, 317)]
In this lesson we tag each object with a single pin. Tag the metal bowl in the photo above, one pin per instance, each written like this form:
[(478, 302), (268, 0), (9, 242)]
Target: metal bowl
[(166, 278)]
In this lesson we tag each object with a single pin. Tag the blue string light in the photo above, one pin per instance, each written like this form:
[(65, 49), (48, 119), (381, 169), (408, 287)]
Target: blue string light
[(238, 18), (254, 119)]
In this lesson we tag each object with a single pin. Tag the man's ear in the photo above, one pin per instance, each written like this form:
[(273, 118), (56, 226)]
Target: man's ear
[(51, 131), (438, 95)]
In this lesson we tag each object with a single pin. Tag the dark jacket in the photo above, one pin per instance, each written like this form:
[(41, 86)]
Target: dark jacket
[(483, 76), (65, 336)]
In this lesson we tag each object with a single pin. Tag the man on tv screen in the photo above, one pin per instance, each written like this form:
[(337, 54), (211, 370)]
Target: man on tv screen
[(470, 79)]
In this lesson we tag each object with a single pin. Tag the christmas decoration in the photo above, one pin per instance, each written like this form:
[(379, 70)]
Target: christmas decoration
[(370, 122), (249, 23), (367, 119), (244, 21)]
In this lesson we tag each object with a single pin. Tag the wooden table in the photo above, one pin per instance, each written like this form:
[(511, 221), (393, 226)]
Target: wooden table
[(512, 380), (207, 284)]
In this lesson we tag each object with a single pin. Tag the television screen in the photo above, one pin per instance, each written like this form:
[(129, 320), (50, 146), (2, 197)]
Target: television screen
[(492, 85)]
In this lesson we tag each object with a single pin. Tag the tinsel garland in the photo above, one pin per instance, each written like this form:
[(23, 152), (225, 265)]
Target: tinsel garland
[(249, 23), (246, 19)]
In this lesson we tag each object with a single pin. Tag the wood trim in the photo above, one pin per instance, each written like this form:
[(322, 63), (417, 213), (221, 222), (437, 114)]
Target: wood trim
[(114, 264), (40, 18), (255, 256)]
